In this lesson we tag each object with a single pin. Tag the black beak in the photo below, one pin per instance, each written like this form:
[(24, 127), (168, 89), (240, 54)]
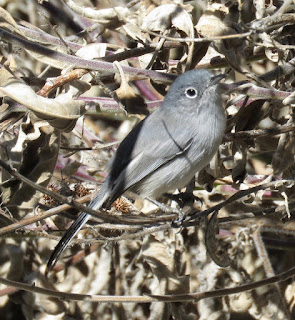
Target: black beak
[(216, 79)]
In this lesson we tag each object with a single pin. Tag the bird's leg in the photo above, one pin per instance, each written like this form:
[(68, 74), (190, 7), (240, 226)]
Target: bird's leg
[(186, 198), (165, 208)]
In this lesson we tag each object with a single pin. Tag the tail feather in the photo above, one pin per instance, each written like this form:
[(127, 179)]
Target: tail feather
[(95, 204), (66, 239)]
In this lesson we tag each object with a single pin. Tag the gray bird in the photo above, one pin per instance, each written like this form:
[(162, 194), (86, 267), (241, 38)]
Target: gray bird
[(165, 150)]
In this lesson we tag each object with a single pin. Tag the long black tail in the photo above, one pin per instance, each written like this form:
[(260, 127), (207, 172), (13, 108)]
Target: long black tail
[(66, 239), (96, 203)]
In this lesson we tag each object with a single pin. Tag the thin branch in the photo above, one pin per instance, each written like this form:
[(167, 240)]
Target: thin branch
[(257, 133), (240, 194), (285, 68), (151, 298), (199, 40), (75, 296), (227, 291), (262, 252), (76, 62), (110, 57), (100, 215), (252, 90), (46, 214)]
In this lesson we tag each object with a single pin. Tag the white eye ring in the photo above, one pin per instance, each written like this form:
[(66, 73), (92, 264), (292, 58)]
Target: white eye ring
[(191, 92)]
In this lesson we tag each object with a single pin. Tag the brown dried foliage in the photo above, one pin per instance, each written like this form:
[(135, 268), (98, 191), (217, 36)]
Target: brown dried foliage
[(66, 103)]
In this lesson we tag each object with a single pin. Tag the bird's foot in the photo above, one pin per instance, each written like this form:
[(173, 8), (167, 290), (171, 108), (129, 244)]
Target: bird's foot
[(181, 215), (184, 199), (165, 208)]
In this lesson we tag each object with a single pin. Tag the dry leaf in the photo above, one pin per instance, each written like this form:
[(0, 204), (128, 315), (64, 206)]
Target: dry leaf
[(33, 152), (111, 18), (218, 255), (211, 24), (164, 17), (7, 22), (133, 102), (283, 157), (162, 264), (92, 51), (61, 112), (239, 150)]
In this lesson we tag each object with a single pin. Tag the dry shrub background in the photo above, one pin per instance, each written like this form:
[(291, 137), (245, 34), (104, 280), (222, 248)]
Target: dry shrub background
[(75, 77)]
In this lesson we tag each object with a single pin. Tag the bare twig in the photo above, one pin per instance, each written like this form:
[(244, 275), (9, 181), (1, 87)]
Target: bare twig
[(151, 298), (100, 215), (240, 194), (76, 62)]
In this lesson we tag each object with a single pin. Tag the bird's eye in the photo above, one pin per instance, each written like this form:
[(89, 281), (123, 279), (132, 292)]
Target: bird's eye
[(191, 93)]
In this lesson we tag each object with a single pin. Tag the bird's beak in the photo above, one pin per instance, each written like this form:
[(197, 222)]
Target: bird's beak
[(216, 79)]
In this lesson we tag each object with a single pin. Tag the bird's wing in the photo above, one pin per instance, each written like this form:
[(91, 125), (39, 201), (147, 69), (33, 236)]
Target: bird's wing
[(154, 147), (147, 163)]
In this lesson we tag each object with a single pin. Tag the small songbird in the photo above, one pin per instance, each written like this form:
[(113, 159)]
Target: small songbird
[(165, 150)]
